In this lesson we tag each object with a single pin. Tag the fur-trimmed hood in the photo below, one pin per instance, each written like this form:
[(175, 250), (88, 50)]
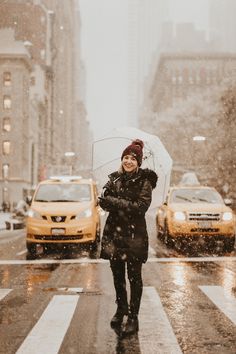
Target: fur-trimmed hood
[(145, 173), (150, 175)]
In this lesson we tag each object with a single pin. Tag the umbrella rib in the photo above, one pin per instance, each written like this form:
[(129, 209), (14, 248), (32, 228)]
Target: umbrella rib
[(111, 138), (106, 163)]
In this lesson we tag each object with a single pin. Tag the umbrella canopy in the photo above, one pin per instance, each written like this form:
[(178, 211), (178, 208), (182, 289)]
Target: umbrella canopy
[(107, 153)]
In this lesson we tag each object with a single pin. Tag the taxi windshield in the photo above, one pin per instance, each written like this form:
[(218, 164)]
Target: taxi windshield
[(66, 192), (190, 195)]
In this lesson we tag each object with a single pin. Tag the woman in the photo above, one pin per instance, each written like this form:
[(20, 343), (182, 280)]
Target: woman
[(127, 196)]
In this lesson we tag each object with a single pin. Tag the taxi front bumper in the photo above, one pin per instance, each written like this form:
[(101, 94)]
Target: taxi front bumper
[(76, 232), (208, 229)]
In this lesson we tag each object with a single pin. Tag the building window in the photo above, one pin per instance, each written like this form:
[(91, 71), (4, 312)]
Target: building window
[(6, 124), (5, 170), (6, 102), (7, 79), (180, 79), (6, 145), (190, 79), (32, 81)]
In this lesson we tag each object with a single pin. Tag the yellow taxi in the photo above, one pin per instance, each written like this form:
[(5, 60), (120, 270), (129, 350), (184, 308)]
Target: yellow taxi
[(195, 213), (63, 210)]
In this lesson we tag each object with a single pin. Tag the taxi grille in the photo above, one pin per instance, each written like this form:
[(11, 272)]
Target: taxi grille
[(202, 229), (204, 216), (58, 237)]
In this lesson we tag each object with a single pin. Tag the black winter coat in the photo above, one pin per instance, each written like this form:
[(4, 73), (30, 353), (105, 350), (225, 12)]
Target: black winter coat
[(127, 197)]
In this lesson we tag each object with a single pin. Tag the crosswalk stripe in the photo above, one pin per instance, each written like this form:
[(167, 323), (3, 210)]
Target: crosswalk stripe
[(48, 333), (156, 334), (222, 299), (75, 290), (4, 292), (103, 261)]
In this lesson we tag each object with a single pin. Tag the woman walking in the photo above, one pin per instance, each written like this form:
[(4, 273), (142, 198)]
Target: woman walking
[(127, 196)]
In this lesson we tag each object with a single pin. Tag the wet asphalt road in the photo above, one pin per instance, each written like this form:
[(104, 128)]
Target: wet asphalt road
[(62, 303)]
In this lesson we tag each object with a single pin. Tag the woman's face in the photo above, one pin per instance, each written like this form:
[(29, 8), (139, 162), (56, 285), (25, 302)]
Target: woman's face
[(129, 163)]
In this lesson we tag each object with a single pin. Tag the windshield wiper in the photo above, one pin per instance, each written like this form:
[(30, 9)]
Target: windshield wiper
[(60, 200), (41, 200), (201, 199), (184, 198)]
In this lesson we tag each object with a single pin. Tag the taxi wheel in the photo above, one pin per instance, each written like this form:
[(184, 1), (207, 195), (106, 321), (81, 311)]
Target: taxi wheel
[(229, 245), (93, 247), (166, 237), (160, 233), (31, 248), (98, 234)]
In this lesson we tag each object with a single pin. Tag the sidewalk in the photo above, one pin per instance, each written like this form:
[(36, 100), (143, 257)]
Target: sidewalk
[(3, 218)]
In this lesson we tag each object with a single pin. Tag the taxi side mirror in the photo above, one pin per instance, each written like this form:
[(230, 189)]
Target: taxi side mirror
[(29, 200), (228, 201)]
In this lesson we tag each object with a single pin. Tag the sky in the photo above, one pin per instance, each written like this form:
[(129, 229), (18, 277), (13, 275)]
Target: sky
[(104, 25)]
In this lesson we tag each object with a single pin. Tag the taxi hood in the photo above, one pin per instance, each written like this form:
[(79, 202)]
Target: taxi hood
[(62, 208), (199, 207)]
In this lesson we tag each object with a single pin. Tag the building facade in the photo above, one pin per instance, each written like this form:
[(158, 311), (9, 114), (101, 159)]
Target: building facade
[(179, 75), (17, 142), (43, 115), (144, 36), (181, 83)]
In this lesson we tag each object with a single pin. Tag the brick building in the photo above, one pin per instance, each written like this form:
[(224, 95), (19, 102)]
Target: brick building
[(42, 87), (171, 111), (180, 75)]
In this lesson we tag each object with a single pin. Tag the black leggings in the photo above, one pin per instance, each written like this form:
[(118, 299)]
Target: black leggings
[(134, 270)]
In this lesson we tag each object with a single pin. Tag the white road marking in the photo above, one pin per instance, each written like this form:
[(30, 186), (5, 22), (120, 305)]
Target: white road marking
[(87, 260), (4, 292), (156, 335), (75, 290), (48, 333), (22, 252), (222, 299)]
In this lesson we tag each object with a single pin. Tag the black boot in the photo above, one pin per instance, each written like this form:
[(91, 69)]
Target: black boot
[(131, 326), (117, 319)]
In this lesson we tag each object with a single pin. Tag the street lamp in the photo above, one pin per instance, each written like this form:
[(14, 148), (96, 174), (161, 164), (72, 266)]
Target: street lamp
[(70, 154), (197, 138)]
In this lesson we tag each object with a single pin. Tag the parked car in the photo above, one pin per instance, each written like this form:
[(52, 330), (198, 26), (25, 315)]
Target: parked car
[(64, 210), (195, 214)]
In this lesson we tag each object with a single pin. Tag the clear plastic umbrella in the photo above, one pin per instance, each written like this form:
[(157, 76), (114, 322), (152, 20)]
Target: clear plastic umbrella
[(107, 153)]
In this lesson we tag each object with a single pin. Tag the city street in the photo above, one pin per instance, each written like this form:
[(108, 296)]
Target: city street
[(126, 109), (63, 303)]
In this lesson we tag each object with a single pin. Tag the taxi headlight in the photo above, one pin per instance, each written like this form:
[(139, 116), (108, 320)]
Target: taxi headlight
[(34, 214), (84, 214), (179, 216), (227, 216)]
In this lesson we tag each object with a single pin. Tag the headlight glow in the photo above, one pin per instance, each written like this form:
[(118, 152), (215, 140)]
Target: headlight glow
[(34, 214), (179, 215), (227, 216), (84, 214)]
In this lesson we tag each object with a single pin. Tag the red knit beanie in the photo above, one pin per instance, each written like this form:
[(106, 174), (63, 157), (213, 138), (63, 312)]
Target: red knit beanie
[(135, 149)]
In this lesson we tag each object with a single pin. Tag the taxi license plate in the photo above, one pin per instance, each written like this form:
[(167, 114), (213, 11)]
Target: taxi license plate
[(205, 224), (58, 231)]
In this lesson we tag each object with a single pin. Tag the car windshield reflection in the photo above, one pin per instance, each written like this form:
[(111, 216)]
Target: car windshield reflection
[(63, 193), (195, 196)]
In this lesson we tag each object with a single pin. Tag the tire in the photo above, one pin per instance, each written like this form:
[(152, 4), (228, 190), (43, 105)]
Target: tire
[(229, 245), (93, 247), (32, 251), (167, 239), (160, 234)]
